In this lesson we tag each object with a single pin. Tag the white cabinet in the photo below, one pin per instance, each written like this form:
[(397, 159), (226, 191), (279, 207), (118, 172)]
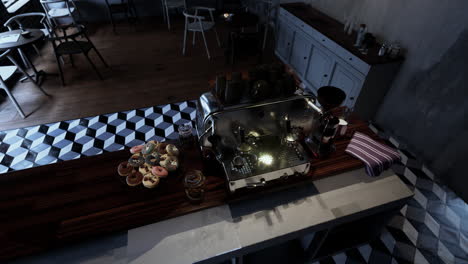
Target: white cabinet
[(285, 38), (319, 61), (348, 80), (319, 68), (300, 52)]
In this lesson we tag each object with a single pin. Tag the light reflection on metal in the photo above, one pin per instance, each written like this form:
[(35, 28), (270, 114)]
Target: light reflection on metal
[(266, 159), (311, 104)]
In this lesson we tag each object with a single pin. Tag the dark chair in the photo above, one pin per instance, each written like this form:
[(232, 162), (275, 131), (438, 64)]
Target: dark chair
[(72, 44), (125, 7)]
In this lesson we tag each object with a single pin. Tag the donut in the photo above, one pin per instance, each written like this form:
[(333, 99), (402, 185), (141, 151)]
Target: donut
[(172, 150), (149, 148), (137, 149), (150, 181), (161, 148), (159, 171), (153, 159), (153, 142), (136, 160), (144, 169), (134, 178), (124, 169), (171, 163)]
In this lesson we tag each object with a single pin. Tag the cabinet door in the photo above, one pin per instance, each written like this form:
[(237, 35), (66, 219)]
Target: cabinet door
[(349, 80), (285, 39), (300, 52), (320, 66)]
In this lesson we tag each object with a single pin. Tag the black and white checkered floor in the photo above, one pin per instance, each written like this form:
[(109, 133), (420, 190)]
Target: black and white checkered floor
[(431, 228)]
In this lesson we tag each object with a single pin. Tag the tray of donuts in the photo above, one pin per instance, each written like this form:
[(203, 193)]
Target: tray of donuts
[(149, 164)]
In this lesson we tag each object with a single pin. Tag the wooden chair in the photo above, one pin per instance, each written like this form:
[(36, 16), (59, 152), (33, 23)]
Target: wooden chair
[(6, 72), (71, 45), (171, 4), (125, 7), (196, 23), (60, 12)]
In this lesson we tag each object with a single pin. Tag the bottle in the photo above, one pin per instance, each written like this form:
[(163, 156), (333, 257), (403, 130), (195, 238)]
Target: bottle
[(382, 50), (360, 35), (347, 21), (350, 26)]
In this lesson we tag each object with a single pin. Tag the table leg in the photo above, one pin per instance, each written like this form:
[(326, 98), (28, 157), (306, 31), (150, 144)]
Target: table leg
[(26, 62), (36, 74)]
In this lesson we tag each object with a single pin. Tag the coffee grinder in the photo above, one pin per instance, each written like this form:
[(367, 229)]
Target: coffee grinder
[(321, 141)]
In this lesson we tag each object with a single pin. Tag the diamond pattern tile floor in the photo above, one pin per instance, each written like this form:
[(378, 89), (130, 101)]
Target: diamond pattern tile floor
[(431, 228)]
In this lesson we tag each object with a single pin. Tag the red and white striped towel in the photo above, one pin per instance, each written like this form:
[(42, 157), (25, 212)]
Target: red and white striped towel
[(377, 157)]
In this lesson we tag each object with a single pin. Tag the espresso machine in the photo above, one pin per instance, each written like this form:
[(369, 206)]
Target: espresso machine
[(257, 142), (261, 129)]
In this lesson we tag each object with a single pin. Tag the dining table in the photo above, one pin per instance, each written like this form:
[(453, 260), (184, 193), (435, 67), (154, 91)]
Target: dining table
[(17, 40)]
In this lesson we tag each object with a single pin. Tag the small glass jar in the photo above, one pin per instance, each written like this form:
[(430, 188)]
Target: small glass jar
[(194, 182), (185, 135)]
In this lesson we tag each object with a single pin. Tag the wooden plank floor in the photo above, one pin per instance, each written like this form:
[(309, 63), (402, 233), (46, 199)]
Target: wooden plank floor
[(146, 69)]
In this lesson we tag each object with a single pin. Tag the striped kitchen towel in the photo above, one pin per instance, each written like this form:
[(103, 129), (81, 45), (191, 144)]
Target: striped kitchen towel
[(376, 156)]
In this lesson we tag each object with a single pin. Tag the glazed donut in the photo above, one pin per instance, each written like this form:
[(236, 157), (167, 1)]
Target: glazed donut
[(172, 150), (124, 169), (161, 148), (149, 148), (144, 169), (136, 160), (171, 163), (137, 149), (134, 178), (153, 159), (150, 181), (159, 171), (153, 141)]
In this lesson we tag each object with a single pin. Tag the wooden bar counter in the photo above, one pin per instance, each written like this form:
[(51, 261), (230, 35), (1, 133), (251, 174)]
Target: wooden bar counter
[(49, 206)]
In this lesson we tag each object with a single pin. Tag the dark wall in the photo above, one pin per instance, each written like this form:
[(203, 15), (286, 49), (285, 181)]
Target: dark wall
[(96, 10), (430, 114)]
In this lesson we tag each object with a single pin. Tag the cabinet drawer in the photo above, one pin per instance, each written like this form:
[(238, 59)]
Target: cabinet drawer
[(306, 28), (325, 41), (353, 60), (285, 13)]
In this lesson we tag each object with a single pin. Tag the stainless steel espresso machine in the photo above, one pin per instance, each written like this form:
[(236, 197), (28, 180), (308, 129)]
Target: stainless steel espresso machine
[(256, 143), (257, 140)]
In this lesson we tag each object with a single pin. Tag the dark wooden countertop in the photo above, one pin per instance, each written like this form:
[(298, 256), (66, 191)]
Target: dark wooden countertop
[(48, 206), (333, 29)]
